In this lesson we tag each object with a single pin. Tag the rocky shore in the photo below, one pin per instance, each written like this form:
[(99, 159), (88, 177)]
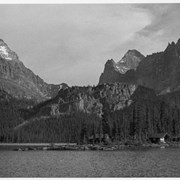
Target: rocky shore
[(87, 147)]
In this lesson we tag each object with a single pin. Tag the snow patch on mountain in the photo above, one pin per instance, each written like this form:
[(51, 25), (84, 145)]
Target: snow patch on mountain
[(4, 53)]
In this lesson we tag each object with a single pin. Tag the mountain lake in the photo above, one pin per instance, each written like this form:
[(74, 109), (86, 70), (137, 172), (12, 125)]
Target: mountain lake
[(148, 162)]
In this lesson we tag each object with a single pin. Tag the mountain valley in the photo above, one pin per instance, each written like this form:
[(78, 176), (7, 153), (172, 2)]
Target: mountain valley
[(136, 97)]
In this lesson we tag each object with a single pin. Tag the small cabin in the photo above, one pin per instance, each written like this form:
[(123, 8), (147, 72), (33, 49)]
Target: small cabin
[(96, 139), (99, 138), (159, 138)]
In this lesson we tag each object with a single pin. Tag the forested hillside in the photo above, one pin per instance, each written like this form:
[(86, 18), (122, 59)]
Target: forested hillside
[(11, 113), (147, 114)]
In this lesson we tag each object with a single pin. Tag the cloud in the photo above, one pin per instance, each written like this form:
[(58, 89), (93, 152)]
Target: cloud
[(162, 28), (164, 24)]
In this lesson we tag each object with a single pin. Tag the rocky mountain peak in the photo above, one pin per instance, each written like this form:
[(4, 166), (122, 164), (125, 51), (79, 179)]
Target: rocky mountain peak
[(63, 86), (130, 60), (171, 45), (19, 81), (6, 53), (110, 65), (159, 71), (172, 50), (113, 70), (1, 41), (133, 52), (110, 62)]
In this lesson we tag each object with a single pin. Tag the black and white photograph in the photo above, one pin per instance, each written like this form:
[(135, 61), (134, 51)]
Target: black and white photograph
[(90, 89)]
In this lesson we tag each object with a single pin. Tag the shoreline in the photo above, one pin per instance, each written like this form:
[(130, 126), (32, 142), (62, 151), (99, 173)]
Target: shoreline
[(74, 146)]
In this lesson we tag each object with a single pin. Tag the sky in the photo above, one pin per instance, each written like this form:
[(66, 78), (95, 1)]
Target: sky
[(70, 43)]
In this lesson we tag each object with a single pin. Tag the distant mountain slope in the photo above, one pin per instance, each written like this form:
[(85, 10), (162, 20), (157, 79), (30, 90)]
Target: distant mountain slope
[(20, 81)]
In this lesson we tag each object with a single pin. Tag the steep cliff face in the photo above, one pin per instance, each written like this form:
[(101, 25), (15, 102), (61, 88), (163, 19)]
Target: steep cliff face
[(144, 74), (106, 97), (110, 74), (161, 71), (20, 81), (114, 72)]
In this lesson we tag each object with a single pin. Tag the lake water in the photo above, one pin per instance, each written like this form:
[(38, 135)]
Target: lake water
[(152, 162)]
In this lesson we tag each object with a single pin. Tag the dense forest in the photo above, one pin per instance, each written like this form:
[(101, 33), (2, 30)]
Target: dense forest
[(147, 114), (68, 128), (11, 114), (143, 119), (135, 123)]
